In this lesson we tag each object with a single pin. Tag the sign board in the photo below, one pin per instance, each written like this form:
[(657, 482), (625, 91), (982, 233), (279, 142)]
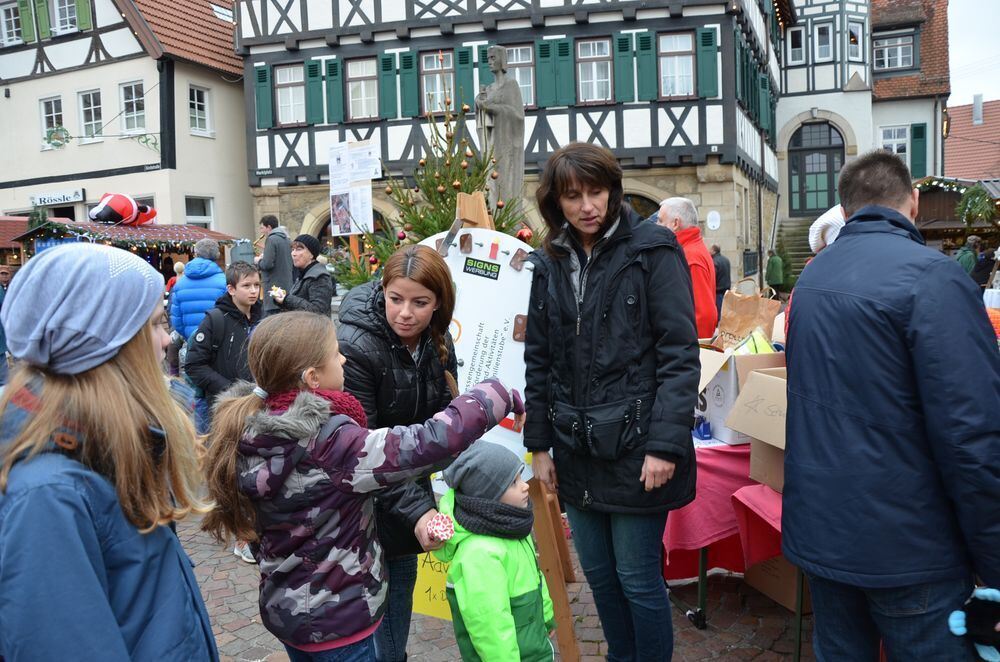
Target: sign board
[(58, 198), (42, 244), (353, 166), (429, 597)]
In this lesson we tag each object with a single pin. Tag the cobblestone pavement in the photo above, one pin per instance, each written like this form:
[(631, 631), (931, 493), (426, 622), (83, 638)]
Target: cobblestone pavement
[(743, 624)]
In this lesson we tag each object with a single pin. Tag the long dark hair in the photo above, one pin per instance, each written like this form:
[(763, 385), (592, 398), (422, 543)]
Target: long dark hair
[(574, 165)]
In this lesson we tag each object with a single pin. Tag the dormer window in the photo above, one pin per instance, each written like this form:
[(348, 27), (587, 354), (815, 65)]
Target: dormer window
[(894, 52)]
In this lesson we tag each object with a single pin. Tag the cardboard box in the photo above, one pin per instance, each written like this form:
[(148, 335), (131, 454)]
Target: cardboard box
[(776, 579), (759, 413), (722, 377)]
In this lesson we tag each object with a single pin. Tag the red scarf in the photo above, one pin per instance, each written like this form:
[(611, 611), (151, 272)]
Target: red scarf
[(340, 403)]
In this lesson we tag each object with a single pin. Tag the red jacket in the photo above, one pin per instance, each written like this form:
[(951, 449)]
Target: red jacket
[(702, 280)]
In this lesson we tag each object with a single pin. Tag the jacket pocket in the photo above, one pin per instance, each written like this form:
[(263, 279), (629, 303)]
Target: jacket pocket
[(605, 431), (567, 428), (529, 622)]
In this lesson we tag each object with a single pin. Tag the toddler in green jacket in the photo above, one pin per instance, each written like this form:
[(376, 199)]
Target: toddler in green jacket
[(499, 602)]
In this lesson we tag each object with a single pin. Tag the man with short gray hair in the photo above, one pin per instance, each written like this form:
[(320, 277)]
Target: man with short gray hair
[(680, 216), (196, 291)]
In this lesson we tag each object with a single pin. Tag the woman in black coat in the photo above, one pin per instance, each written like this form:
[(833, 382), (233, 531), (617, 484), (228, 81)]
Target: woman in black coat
[(612, 368), (313, 288), (401, 365)]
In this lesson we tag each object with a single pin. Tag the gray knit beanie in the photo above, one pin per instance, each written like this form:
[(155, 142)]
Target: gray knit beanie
[(485, 470), (72, 307)]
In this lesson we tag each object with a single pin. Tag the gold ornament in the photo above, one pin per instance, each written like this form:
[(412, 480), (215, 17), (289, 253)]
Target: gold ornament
[(416, 189), (447, 163), (464, 164), (447, 102), (465, 108), (493, 161), (388, 190), (494, 174), (437, 175), (409, 226), (440, 188), (499, 204), (456, 184), (422, 162), (468, 152)]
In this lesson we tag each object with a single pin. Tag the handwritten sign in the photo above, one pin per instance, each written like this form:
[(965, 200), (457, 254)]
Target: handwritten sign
[(429, 597), (760, 408)]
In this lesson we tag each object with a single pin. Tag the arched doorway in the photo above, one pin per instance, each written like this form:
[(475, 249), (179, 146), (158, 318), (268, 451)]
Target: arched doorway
[(333, 243), (642, 205), (815, 158)]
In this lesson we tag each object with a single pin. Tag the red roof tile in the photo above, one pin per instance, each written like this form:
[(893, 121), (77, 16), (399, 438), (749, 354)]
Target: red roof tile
[(933, 77), (185, 234), (190, 30), (13, 226), (972, 151)]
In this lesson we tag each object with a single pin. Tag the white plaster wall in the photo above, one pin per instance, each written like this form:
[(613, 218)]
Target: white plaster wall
[(911, 111)]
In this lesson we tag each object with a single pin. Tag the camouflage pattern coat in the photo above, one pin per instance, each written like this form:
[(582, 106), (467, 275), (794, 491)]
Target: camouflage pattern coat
[(321, 565)]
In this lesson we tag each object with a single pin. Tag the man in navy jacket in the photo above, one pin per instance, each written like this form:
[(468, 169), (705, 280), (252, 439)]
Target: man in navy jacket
[(892, 467)]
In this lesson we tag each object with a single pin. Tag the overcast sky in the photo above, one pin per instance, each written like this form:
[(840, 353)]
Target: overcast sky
[(974, 42)]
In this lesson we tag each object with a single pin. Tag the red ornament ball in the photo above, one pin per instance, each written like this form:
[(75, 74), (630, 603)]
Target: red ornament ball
[(401, 235), (525, 235), (500, 204), (373, 260)]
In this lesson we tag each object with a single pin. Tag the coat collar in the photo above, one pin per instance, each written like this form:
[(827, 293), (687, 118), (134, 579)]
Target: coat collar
[(876, 218)]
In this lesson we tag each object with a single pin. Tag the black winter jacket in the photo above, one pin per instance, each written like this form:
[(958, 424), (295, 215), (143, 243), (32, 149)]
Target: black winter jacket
[(217, 354), (311, 292), (394, 390), (611, 358)]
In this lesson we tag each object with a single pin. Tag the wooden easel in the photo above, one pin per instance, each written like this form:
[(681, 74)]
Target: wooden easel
[(553, 552)]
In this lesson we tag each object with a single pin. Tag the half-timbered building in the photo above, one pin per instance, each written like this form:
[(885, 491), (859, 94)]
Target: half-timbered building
[(131, 96), (682, 91)]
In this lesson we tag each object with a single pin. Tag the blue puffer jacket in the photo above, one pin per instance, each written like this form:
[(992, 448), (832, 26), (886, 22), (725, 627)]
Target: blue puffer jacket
[(195, 292), (892, 464)]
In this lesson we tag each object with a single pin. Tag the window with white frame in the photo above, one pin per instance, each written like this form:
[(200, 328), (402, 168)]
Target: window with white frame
[(63, 15), (796, 45), (593, 65), (91, 121), (896, 139), (199, 211), (362, 89), (676, 65), (520, 67), (133, 108), (855, 41), (290, 94), (52, 114), (437, 77), (10, 24), (894, 52), (199, 115), (823, 35)]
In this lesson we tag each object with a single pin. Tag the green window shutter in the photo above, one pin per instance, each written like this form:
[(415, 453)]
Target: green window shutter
[(387, 86), (624, 77), (334, 92), (463, 77), (264, 97), (27, 21), (645, 64), (565, 73), (314, 92), (545, 73), (42, 16), (738, 65), (485, 75), (918, 150), (762, 102), (83, 18), (409, 84), (708, 63)]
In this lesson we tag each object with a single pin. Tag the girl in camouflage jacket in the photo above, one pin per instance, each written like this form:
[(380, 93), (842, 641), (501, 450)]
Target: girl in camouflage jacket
[(300, 483)]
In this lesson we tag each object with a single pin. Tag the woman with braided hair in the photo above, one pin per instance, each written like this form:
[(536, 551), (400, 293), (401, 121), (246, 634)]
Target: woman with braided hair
[(401, 365)]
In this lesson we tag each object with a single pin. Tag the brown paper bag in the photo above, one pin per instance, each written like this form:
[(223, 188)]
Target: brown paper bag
[(742, 313)]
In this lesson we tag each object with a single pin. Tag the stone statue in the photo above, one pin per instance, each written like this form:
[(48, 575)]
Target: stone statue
[(500, 125)]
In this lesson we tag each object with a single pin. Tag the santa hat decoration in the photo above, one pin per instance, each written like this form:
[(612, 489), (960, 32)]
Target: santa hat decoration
[(121, 209)]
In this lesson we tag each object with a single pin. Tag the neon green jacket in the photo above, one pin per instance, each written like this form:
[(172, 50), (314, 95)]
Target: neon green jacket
[(499, 602)]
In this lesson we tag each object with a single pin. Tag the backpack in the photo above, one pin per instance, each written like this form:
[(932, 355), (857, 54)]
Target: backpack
[(215, 319)]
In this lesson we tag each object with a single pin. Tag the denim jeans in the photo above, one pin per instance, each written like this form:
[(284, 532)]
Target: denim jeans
[(391, 636), (361, 651), (202, 415), (621, 556), (4, 370), (912, 621)]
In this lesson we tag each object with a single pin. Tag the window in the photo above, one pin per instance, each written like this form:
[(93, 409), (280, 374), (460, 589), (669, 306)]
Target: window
[(198, 111), (90, 115), (52, 115), (896, 139), (796, 46), (10, 24), (437, 75), (133, 108), (593, 64), (362, 89), (677, 65), (824, 42), (198, 211), (815, 158), (63, 16), (290, 91), (520, 67), (894, 53), (855, 41)]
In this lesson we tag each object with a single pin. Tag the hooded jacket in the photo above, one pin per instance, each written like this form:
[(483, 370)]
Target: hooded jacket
[(394, 389), (967, 258), (312, 292), (891, 463), (196, 291), (321, 565), (217, 354), (499, 601), (611, 358), (275, 266)]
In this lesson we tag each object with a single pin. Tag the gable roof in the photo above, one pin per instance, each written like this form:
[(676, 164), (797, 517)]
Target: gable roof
[(189, 30), (972, 151)]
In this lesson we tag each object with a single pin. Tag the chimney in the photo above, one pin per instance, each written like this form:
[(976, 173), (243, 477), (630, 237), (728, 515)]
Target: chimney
[(977, 109)]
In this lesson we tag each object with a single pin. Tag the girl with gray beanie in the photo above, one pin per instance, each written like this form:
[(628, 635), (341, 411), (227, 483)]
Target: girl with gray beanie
[(96, 463)]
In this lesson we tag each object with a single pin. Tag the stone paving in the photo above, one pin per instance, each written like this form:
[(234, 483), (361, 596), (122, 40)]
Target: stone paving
[(743, 624)]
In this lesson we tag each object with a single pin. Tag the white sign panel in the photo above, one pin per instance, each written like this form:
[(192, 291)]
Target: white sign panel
[(352, 167), (57, 198)]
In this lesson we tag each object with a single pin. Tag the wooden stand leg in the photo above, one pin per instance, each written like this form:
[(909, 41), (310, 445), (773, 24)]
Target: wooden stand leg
[(567, 563), (547, 534)]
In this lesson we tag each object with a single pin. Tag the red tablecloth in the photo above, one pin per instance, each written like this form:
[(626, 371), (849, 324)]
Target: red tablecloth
[(758, 514), (709, 520)]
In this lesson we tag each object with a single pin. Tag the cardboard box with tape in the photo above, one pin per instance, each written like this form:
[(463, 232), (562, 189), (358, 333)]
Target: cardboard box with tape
[(722, 378)]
